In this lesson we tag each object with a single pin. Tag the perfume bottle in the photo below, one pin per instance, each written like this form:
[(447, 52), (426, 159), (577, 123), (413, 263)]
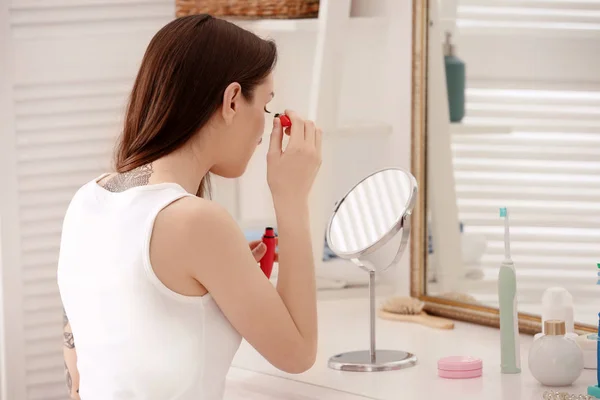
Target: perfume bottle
[(455, 81), (557, 303), (555, 360)]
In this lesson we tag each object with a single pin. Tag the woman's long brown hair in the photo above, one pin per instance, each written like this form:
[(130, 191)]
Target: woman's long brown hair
[(184, 73)]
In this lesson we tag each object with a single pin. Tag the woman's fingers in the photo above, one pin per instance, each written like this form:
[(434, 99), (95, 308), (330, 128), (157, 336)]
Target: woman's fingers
[(302, 132), (254, 243), (296, 130), (259, 251), (276, 137)]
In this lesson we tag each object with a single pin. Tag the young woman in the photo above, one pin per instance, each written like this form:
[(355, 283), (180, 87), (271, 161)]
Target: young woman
[(158, 282)]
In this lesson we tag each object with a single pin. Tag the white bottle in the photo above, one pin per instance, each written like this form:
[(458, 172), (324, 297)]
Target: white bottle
[(557, 304), (588, 343), (555, 360)]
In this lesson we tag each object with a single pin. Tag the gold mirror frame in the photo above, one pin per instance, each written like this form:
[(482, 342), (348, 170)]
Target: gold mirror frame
[(473, 313)]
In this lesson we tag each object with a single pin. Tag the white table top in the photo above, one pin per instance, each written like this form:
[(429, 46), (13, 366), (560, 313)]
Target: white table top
[(343, 326), (244, 385)]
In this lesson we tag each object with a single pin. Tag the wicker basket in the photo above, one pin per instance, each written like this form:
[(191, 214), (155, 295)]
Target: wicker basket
[(250, 9)]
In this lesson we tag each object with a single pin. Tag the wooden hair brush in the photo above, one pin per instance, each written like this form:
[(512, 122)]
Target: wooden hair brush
[(409, 309)]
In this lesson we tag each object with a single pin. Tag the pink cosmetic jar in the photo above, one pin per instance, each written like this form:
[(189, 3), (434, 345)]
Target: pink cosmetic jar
[(460, 367)]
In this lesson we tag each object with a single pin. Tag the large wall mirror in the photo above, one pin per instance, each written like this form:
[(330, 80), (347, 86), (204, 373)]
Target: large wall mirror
[(528, 140)]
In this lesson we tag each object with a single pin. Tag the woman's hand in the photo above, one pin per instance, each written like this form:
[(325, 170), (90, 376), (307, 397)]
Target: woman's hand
[(259, 249), (291, 173)]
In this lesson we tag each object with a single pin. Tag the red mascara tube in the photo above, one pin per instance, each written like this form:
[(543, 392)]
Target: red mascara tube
[(266, 263), (285, 120)]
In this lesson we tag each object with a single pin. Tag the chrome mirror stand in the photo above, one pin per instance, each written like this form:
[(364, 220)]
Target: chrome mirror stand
[(372, 360)]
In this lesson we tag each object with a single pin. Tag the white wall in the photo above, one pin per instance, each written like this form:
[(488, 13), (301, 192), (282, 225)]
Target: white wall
[(65, 71), (375, 91)]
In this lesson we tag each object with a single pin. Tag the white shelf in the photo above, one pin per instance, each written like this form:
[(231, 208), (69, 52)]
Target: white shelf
[(461, 127), (304, 25), (279, 25)]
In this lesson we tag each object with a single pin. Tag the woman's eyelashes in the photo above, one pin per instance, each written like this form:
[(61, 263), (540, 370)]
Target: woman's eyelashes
[(267, 111)]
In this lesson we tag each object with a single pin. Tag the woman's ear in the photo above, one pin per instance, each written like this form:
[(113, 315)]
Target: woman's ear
[(231, 99)]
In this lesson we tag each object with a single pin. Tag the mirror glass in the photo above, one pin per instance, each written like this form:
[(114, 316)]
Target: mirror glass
[(513, 120), (371, 212)]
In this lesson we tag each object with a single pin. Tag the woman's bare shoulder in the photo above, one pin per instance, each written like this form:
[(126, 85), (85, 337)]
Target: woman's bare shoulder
[(187, 237), (193, 215)]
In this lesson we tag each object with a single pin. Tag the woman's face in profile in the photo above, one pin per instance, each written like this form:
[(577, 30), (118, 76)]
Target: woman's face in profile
[(258, 107), (246, 131)]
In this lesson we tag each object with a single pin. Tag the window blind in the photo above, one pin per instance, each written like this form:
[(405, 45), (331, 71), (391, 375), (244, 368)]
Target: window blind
[(533, 145), (567, 15), (74, 64)]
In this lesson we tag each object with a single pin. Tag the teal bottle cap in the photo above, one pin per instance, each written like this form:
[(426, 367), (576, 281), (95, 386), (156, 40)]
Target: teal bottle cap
[(594, 391)]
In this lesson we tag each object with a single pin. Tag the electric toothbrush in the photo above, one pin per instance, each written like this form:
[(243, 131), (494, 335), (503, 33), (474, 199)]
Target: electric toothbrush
[(507, 294)]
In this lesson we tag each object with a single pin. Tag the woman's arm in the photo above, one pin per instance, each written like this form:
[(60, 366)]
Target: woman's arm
[(70, 355), (281, 324), (205, 241)]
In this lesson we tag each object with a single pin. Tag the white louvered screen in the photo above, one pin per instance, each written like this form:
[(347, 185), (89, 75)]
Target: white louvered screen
[(65, 134), (547, 174), (74, 63), (576, 15), (533, 104)]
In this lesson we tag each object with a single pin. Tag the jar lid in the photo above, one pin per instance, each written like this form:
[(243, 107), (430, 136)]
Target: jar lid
[(588, 342), (460, 363)]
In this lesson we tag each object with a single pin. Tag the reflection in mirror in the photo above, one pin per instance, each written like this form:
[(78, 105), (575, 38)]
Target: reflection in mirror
[(365, 219), (370, 211), (529, 140)]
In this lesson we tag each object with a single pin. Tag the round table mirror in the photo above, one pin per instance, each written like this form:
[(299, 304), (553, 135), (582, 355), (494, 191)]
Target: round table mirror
[(365, 219)]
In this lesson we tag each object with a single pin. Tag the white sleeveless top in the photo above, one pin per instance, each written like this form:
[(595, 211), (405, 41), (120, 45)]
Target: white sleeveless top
[(135, 338)]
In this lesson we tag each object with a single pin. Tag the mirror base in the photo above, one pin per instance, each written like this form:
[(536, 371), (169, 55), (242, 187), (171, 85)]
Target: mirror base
[(360, 361)]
